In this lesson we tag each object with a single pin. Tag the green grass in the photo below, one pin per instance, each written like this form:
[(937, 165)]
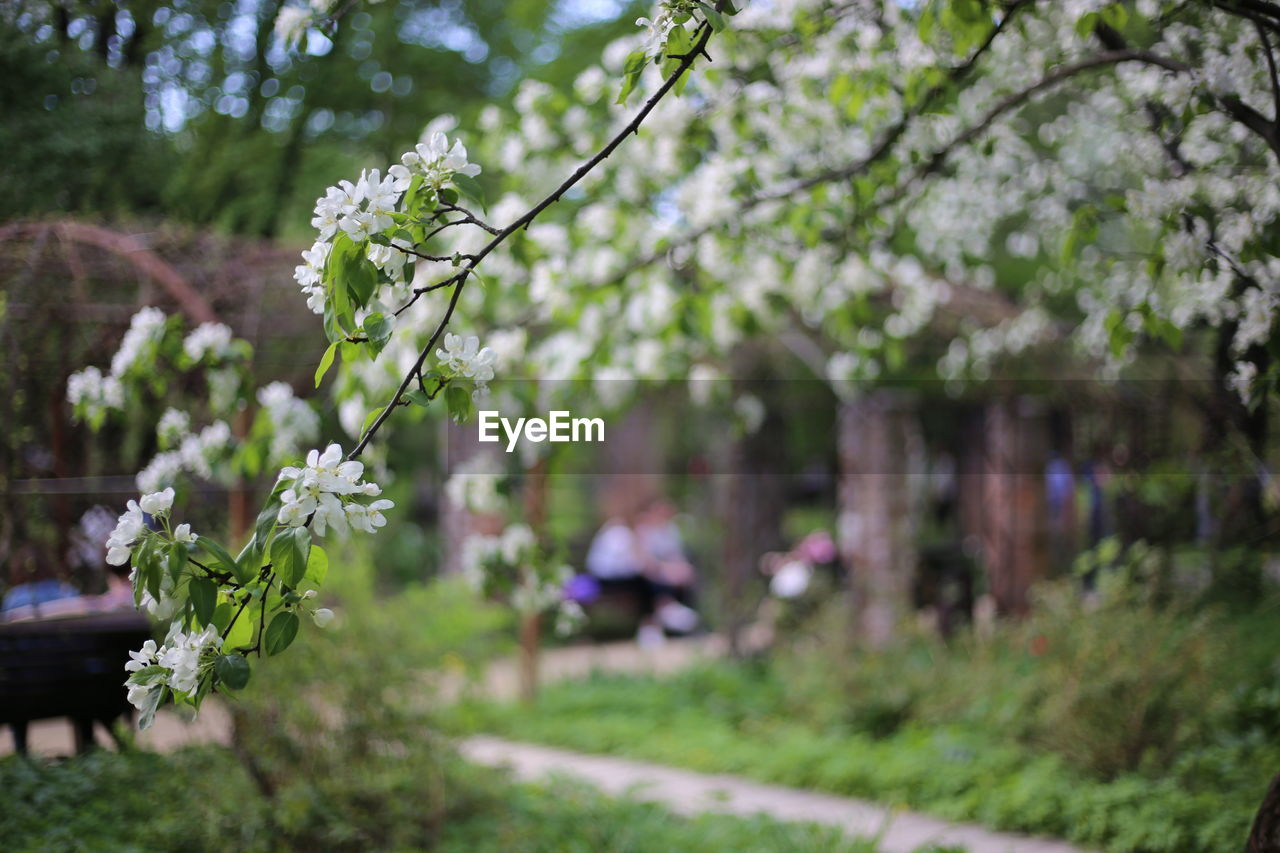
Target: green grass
[(201, 799), (730, 718)]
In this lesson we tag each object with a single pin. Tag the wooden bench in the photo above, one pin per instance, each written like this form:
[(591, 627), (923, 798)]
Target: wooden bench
[(72, 667)]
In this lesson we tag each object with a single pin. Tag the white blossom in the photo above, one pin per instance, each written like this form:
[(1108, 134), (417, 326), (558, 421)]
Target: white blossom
[(157, 503), (144, 657), (208, 339), (465, 357), (435, 161), (291, 24), (182, 654), (129, 529), (145, 330), (327, 491), (95, 392)]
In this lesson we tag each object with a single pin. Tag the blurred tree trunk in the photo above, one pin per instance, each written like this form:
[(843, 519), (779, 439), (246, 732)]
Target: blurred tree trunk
[(881, 475), (1265, 835), (240, 497), (751, 503), (1014, 518), (534, 495)]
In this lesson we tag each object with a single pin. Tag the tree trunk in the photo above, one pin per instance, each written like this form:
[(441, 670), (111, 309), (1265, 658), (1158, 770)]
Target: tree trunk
[(1265, 835), (881, 468), (751, 503), (1014, 523), (535, 515), (530, 628)]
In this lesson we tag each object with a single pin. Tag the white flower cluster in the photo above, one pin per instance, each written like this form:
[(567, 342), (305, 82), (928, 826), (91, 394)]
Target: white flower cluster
[(466, 358), (94, 393), (208, 339), (293, 422), (474, 485), (145, 330), (365, 208), (514, 562), (182, 654), (327, 492), (292, 22), (195, 453), (658, 30), (310, 273), (513, 549), (435, 161), (172, 426), (131, 526)]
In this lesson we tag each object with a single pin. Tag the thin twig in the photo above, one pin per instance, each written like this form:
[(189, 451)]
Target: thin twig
[(702, 34)]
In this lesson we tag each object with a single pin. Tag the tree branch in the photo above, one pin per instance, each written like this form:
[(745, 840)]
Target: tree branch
[(702, 36)]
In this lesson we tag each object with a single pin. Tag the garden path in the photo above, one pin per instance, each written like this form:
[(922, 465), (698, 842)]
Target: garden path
[(687, 792)]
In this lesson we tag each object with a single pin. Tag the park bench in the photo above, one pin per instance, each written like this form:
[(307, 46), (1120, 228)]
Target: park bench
[(71, 667)]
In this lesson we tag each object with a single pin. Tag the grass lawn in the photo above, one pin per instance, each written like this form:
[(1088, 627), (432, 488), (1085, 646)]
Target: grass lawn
[(721, 719)]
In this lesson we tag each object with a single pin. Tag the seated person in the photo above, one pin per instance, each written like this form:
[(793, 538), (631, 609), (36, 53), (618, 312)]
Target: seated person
[(119, 596), (619, 558)]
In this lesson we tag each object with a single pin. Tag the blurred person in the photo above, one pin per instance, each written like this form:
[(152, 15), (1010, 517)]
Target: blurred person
[(620, 560), (50, 598)]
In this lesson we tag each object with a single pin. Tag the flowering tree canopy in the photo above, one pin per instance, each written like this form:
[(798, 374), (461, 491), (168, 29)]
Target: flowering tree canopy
[(223, 608), (895, 189)]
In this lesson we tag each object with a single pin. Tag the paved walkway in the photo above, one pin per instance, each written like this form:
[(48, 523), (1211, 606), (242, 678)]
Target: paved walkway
[(686, 792)]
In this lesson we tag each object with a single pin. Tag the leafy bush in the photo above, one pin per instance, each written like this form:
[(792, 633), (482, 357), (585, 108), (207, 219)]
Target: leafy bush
[(339, 738), (201, 800), (197, 799)]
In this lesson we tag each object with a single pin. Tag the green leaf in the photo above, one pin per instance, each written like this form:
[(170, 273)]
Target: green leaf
[(378, 329), (204, 598), (317, 565), (177, 560), (232, 670), (326, 361), (679, 43), (243, 573), (280, 633), (631, 74), (221, 616), (714, 18), (449, 196), (459, 401), (332, 328), (241, 633), (149, 568), (289, 551), (418, 397), (361, 278), (370, 418), (149, 675), (469, 187), (147, 713)]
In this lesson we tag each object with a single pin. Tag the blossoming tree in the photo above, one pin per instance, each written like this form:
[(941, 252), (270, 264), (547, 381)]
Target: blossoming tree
[(222, 608)]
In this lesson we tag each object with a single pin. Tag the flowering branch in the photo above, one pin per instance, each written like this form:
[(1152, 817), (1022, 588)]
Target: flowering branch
[(458, 281), (369, 230)]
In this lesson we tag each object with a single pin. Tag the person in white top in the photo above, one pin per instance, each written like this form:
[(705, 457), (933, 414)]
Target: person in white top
[(644, 554)]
